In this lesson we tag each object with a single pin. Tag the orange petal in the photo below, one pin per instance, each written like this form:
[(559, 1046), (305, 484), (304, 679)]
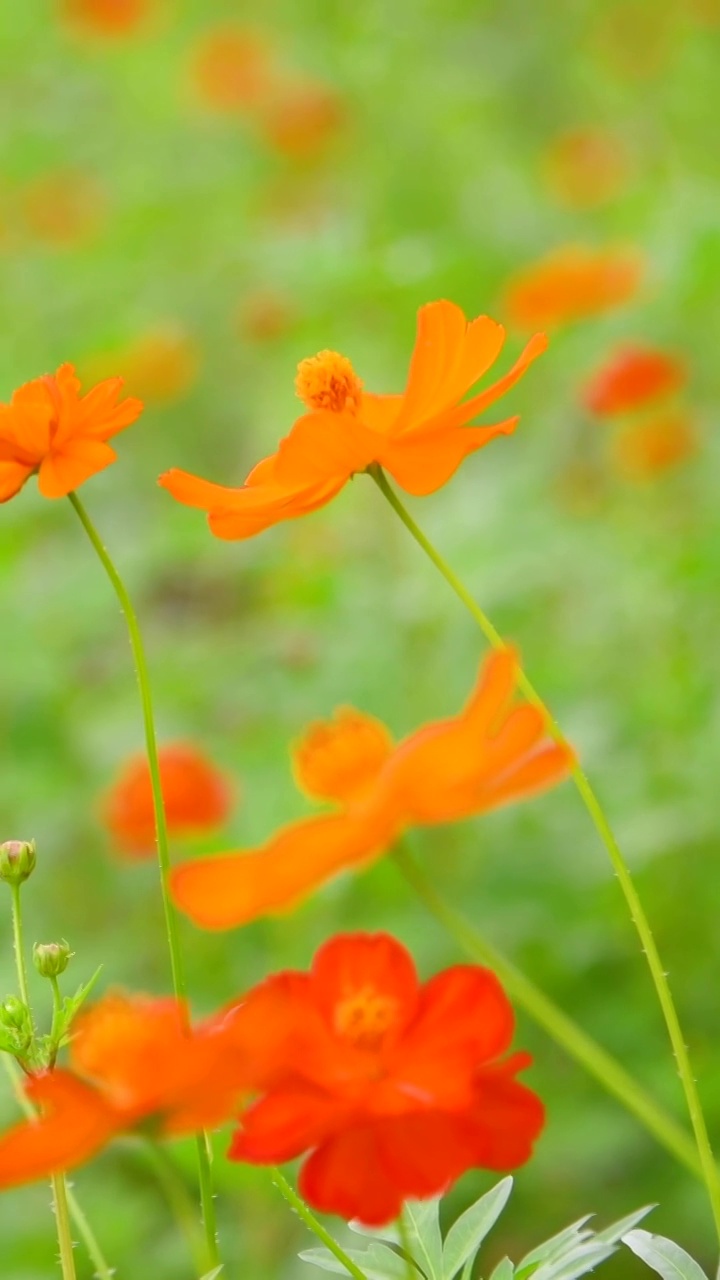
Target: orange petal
[(230, 889), (449, 356), (423, 463), (340, 759), (324, 448), (496, 681), (194, 492), (633, 375), (543, 769), (354, 968), (572, 283), (478, 404), (12, 478), (75, 1123), (284, 1124), (65, 470)]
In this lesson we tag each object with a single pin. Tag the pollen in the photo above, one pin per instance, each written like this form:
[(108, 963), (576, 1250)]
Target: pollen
[(365, 1017), (328, 381)]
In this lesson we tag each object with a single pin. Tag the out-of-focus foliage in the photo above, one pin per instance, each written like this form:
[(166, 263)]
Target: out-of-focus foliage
[(145, 231)]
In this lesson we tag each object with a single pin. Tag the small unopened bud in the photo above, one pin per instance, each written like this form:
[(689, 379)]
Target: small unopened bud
[(17, 860), (13, 1013), (51, 958)]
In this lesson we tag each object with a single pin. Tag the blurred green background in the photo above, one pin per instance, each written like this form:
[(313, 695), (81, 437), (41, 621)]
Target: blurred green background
[(136, 214)]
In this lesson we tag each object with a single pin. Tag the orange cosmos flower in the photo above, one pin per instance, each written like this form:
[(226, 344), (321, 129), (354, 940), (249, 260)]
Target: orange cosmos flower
[(62, 208), (489, 755), (133, 1062), (633, 375), (648, 448), (231, 69), (394, 1087), (49, 428), (420, 437), (197, 799), (570, 284), (107, 17)]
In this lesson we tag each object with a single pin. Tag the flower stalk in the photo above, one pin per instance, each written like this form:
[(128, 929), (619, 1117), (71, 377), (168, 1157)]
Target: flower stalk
[(207, 1202), (602, 825)]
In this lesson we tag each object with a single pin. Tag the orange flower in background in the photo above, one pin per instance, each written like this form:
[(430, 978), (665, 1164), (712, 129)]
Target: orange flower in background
[(393, 1088), (570, 284), (301, 120), (197, 799), (161, 365), (585, 167), (107, 17), (264, 315), (420, 437), (633, 375), (133, 1062), (50, 428), (62, 208), (654, 445), (231, 69), (489, 755)]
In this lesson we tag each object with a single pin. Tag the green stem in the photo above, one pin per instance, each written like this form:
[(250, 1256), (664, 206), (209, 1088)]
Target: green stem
[(600, 821), (163, 849), (102, 1270), (301, 1209), (580, 1046), (180, 1203), (406, 1246), (62, 1220), (19, 947)]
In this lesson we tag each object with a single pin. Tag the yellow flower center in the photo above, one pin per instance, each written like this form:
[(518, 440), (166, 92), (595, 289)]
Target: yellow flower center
[(328, 381), (364, 1017)]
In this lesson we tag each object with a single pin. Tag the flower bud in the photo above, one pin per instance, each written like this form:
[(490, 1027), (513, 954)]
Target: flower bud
[(13, 1013), (51, 958), (16, 1028), (17, 860)]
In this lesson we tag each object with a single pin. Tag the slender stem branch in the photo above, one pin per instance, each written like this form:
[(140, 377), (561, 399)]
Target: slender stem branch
[(62, 1220), (19, 947), (180, 1202), (163, 848), (604, 830), (406, 1246), (562, 1029), (102, 1270), (301, 1209)]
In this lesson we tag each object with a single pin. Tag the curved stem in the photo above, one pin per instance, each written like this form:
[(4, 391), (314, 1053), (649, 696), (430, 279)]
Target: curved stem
[(602, 826), (290, 1194), (163, 849), (102, 1270), (561, 1028), (19, 947)]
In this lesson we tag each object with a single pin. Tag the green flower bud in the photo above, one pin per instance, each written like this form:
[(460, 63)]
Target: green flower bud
[(13, 1013), (16, 1028), (51, 958), (17, 860)]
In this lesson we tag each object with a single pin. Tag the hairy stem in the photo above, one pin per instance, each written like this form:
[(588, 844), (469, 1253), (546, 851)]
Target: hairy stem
[(301, 1209)]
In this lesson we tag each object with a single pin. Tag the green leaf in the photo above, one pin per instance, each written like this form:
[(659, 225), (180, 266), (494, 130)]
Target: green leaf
[(211, 1275), (378, 1262), (664, 1256), (577, 1262), (467, 1234), (423, 1222), (615, 1232), (555, 1246), (504, 1270), (388, 1232), (70, 1007)]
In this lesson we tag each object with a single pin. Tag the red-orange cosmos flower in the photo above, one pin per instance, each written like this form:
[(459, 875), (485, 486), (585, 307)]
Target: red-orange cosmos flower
[(634, 375), (197, 799), (571, 284), (488, 755), (107, 17), (420, 437), (655, 445), (232, 69), (133, 1061), (393, 1086), (50, 428)]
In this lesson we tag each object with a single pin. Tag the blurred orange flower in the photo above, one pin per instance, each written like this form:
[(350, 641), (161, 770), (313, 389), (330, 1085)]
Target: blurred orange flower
[(231, 69), (585, 167), (654, 445), (300, 120), (161, 365), (133, 1063), (421, 437), (570, 284), (63, 207), (49, 428), (394, 1087), (489, 755), (633, 375), (197, 799), (107, 17), (264, 315)]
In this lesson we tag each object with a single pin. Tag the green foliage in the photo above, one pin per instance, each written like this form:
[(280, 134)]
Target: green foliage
[(566, 1256), (663, 1256)]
